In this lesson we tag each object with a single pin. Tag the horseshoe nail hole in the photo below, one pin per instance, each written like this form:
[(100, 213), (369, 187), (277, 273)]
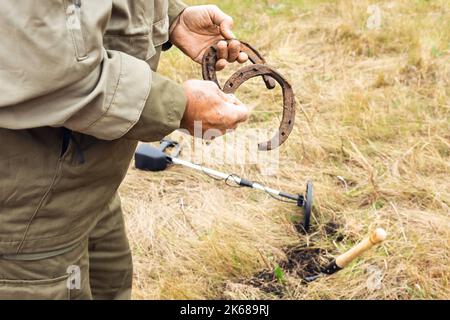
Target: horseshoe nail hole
[(231, 85), (289, 122), (283, 134)]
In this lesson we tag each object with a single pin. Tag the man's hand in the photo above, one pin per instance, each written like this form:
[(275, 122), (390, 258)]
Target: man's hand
[(200, 27), (208, 105)]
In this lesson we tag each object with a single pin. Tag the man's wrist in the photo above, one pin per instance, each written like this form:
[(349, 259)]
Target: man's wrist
[(176, 8)]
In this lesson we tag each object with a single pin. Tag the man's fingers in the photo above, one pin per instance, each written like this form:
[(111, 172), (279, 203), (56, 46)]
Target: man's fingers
[(221, 64), (234, 48), (232, 51), (222, 50), (210, 105), (229, 52), (222, 55), (242, 57), (226, 27), (232, 99), (223, 21), (237, 113), (235, 110)]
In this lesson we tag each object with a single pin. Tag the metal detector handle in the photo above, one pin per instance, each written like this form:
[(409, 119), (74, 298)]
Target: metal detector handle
[(376, 237)]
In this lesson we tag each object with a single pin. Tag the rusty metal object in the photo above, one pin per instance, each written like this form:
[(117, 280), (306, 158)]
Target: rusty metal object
[(287, 121), (269, 75), (210, 60)]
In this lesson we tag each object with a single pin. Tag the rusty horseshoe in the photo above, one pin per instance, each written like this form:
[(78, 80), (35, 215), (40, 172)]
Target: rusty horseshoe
[(269, 75)]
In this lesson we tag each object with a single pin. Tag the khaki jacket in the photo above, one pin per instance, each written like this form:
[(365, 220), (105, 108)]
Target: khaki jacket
[(80, 63), (88, 66)]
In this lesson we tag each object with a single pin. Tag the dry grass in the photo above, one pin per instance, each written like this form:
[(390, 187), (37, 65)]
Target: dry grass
[(374, 136)]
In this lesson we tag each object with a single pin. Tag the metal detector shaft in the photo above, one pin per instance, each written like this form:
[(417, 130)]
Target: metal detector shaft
[(240, 181)]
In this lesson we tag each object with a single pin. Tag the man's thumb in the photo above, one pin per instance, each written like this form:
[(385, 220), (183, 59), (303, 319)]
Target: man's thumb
[(226, 27)]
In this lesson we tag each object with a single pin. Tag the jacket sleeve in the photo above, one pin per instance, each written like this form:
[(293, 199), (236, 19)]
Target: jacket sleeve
[(163, 111), (176, 7), (54, 71), (165, 106)]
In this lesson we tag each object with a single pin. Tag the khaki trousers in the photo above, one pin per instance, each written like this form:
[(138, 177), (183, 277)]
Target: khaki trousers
[(62, 232), (99, 267)]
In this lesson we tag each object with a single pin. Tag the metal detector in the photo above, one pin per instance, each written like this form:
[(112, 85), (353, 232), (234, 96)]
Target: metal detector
[(149, 158)]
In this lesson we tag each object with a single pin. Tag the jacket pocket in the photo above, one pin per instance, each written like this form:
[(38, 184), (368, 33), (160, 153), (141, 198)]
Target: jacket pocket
[(74, 25), (54, 289), (129, 27)]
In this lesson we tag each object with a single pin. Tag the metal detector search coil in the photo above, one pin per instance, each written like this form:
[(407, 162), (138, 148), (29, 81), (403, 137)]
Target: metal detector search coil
[(270, 77)]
